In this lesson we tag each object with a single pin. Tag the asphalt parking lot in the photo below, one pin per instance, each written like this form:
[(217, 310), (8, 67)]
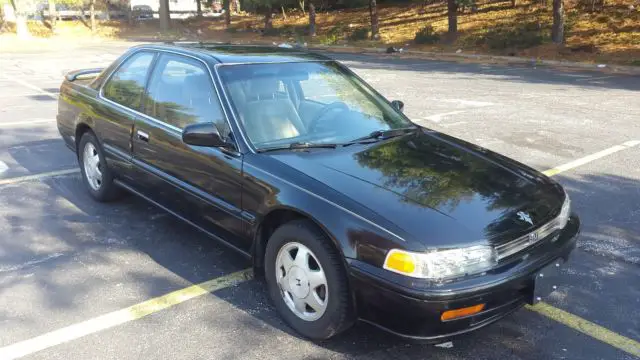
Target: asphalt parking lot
[(82, 280)]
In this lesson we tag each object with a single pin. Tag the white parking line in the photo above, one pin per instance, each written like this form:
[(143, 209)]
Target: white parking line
[(436, 118), (506, 69), (596, 78), (40, 176), (464, 102), (31, 86), (26, 122)]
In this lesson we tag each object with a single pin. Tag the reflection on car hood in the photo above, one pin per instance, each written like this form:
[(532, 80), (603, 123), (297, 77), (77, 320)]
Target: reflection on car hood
[(436, 186)]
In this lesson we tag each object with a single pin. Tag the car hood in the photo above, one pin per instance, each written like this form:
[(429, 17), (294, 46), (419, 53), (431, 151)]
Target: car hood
[(440, 190)]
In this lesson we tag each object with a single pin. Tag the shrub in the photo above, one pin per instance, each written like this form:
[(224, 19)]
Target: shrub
[(334, 35), (426, 35), (520, 37), (359, 34)]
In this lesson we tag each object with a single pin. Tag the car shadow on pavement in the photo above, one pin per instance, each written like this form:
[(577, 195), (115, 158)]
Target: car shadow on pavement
[(530, 73), (62, 210)]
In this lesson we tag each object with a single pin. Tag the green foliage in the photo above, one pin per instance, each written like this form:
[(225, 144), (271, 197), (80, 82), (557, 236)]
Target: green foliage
[(359, 34), (334, 35), (426, 35), (328, 39), (521, 36)]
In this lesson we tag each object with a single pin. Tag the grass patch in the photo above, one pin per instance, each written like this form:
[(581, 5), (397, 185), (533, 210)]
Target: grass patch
[(426, 35), (520, 37), (360, 34)]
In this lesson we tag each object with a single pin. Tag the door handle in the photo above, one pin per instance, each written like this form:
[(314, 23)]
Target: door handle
[(143, 135)]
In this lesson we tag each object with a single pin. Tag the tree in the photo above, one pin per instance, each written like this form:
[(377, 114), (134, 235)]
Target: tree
[(268, 18), (375, 25), (165, 20), (199, 8), (312, 18), (21, 19), (557, 31), (227, 13), (452, 15), (53, 15), (92, 15)]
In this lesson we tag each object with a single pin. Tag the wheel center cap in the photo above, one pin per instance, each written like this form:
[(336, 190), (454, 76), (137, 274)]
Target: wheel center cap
[(298, 282)]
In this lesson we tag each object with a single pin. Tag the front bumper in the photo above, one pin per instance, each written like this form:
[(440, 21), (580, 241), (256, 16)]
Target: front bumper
[(411, 309)]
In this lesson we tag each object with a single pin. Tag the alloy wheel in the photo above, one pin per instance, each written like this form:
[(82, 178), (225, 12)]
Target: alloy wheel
[(302, 282)]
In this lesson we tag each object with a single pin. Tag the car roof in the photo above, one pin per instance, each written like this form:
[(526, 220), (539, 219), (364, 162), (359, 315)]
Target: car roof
[(240, 54)]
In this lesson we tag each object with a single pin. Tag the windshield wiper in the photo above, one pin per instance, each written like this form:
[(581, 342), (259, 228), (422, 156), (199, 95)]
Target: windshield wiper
[(382, 135), (300, 145)]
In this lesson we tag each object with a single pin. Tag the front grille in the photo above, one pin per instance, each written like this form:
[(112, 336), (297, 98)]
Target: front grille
[(523, 242)]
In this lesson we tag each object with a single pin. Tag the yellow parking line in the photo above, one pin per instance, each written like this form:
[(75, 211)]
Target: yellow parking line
[(590, 158), (120, 317), (34, 177), (151, 306), (588, 328), (573, 321)]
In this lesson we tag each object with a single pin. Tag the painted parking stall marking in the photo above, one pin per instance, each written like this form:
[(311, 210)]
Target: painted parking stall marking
[(138, 311), (40, 176), (31, 86), (586, 327), (122, 316), (26, 122), (592, 157)]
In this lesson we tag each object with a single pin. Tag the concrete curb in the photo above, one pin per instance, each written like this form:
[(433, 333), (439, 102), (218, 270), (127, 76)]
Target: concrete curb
[(626, 69)]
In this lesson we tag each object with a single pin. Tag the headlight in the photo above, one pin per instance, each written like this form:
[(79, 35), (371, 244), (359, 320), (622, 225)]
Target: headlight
[(563, 218), (439, 265)]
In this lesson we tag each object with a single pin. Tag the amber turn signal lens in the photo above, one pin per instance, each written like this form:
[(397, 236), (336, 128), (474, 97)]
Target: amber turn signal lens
[(458, 313)]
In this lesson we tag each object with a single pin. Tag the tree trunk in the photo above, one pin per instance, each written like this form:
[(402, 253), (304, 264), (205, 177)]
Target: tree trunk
[(452, 13), (129, 14), (53, 15), (164, 15), (22, 30), (227, 13), (199, 8), (2, 21), (373, 11), (301, 3), (92, 15), (557, 31), (284, 13), (513, 3), (236, 6), (268, 21), (312, 19)]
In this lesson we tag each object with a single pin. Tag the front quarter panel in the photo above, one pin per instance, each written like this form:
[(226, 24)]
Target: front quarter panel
[(356, 231)]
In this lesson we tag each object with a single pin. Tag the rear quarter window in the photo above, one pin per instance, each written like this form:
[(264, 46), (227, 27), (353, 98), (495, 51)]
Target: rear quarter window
[(126, 85)]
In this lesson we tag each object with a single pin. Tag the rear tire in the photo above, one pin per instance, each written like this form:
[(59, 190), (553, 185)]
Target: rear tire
[(310, 293), (96, 175)]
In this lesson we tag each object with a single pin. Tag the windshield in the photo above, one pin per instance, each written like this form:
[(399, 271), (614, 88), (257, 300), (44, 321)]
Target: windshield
[(308, 102)]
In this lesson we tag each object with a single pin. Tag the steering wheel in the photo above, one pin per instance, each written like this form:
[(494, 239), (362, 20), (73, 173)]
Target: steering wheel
[(337, 105)]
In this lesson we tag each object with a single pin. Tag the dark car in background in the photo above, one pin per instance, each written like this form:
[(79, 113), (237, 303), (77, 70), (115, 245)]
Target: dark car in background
[(349, 210), (142, 12)]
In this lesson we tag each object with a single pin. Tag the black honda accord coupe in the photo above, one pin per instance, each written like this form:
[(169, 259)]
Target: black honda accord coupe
[(349, 210)]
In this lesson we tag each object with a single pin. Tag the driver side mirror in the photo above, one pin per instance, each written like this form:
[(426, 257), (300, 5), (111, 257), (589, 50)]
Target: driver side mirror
[(399, 105), (204, 134)]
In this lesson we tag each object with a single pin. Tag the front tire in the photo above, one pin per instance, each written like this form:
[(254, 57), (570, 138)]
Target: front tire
[(307, 281), (97, 177)]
